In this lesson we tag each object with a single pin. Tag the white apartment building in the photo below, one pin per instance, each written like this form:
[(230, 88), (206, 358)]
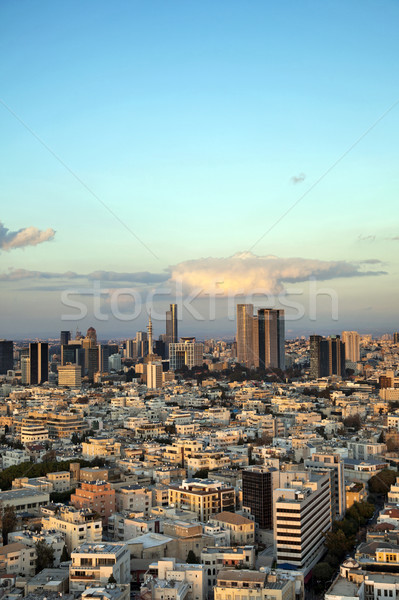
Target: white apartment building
[(18, 558), (105, 447), (61, 481), (169, 570), (301, 516), (133, 498), (95, 563), (365, 450), (30, 539), (25, 500), (393, 494), (78, 526), (14, 457), (32, 434), (214, 559)]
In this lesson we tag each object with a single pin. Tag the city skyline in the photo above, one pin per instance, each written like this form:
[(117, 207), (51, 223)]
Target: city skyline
[(199, 148)]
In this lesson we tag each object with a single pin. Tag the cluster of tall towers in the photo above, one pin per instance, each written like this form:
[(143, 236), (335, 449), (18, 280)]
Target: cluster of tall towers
[(260, 337)]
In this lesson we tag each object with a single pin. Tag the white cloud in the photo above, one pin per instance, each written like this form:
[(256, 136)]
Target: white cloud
[(245, 272), (29, 236)]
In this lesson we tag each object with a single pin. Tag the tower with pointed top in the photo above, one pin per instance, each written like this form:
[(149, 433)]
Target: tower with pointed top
[(149, 329)]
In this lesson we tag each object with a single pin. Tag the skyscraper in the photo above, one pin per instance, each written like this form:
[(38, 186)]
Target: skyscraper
[(245, 335), (65, 336), (396, 337), (187, 353), (38, 355), (351, 340), (257, 493), (327, 356), (171, 324), (271, 332), (6, 356)]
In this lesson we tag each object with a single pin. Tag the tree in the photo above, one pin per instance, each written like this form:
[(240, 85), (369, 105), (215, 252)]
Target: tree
[(192, 559), (382, 481), (202, 473), (64, 555), (337, 544), (8, 522), (111, 579), (353, 422), (45, 556), (323, 571)]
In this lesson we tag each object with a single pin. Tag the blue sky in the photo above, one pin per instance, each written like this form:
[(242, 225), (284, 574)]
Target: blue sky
[(189, 120)]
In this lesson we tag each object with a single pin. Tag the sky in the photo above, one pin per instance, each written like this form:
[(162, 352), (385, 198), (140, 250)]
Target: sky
[(206, 153)]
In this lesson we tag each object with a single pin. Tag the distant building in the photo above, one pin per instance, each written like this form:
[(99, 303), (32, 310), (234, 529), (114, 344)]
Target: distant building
[(187, 353), (351, 340), (78, 526), (205, 497), (6, 356), (65, 336), (38, 356), (70, 376), (327, 356)]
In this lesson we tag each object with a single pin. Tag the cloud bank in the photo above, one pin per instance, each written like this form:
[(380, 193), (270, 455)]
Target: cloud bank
[(28, 236), (245, 272), (242, 273)]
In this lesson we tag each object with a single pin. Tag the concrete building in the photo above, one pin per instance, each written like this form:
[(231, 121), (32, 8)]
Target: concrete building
[(18, 558), (204, 497), (242, 530), (254, 585), (70, 376), (97, 496), (214, 559), (351, 340), (166, 574), (105, 447), (78, 526), (25, 500), (258, 483), (321, 461), (187, 353), (33, 434), (302, 515), (14, 457), (133, 498), (95, 563)]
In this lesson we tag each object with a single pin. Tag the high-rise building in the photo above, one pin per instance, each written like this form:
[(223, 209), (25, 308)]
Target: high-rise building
[(74, 354), (6, 356), (70, 376), (38, 355), (271, 332), (327, 356), (25, 370), (351, 340), (322, 461), (154, 375), (245, 335), (258, 483), (187, 353), (302, 516), (65, 336), (396, 337), (171, 325), (104, 352)]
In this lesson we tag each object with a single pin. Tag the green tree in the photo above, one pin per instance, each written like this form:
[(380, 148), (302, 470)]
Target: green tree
[(45, 556), (192, 559), (337, 544), (64, 555), (382, 481), (323, 571), (8, 518), (201, 474), (111, 579)]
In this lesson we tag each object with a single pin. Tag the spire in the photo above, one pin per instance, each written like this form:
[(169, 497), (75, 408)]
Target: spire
[(149, 329)]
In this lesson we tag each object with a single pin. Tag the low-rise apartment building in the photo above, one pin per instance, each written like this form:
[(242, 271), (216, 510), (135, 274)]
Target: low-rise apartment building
[(218, 558), (205, 497), (77, 526), (253, 585), (242, 530), (96, 563), (97, 496)]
